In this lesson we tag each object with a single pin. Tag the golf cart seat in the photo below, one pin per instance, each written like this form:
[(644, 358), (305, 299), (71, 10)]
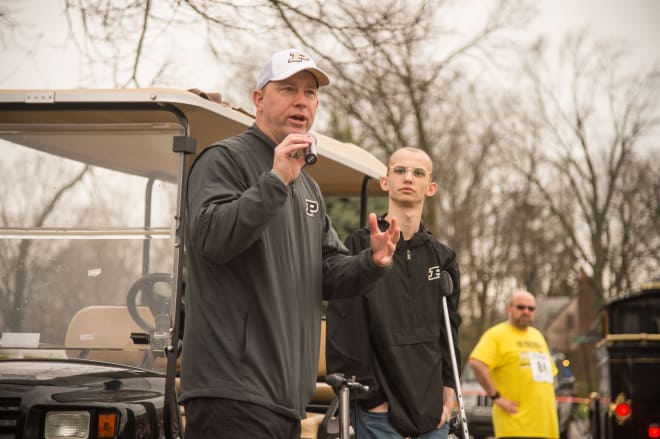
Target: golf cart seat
[(103, 333)]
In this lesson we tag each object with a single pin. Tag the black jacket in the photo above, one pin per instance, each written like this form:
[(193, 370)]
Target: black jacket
[(261, 255), (393, 338)]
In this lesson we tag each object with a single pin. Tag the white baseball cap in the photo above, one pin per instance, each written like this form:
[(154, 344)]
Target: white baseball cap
[(286, 63)]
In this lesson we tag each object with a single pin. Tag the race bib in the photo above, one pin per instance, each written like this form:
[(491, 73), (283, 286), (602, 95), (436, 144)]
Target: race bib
[(541, 367)]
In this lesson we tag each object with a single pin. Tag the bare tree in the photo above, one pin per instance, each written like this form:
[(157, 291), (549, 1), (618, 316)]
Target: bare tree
[(591, 123), (14, 287), (141, 43), (18, 36), (6, 24), (635, 235)]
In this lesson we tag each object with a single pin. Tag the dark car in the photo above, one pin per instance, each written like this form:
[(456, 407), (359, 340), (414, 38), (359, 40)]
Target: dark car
[(627, 403), (478, 406), (91, 259)]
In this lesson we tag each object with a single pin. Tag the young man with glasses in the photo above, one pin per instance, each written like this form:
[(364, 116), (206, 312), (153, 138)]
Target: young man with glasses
[(513, 364), (393, 338)]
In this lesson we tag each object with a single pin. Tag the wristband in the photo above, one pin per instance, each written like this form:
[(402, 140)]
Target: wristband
[(495, 395)]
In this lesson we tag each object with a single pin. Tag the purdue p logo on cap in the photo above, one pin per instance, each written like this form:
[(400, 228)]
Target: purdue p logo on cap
[(286, 63), (298, 57)]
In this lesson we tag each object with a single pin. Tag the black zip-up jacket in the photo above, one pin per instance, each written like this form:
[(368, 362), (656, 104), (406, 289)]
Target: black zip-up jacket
[(393, 338), (261, 255)]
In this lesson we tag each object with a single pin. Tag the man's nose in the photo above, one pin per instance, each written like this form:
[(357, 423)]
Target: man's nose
[(301, 99)]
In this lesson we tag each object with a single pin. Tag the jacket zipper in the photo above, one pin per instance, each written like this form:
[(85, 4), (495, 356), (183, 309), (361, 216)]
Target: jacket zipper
[(411, 289)]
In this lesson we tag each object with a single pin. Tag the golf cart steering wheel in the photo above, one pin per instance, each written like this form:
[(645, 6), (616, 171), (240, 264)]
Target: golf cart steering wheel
[(159, 304)]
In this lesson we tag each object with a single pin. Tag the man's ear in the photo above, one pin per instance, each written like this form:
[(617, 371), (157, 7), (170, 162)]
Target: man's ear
[(258, 99), (384, 184), (431, 189)]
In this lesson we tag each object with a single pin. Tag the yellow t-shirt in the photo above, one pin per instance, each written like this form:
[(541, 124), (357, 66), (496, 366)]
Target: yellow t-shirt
[(523, 371)]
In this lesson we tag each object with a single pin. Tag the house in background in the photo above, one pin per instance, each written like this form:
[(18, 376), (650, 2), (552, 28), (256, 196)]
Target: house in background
[(561, 327), (568, 329)]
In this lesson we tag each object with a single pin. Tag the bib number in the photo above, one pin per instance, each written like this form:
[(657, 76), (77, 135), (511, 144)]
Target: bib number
[(541, 367)]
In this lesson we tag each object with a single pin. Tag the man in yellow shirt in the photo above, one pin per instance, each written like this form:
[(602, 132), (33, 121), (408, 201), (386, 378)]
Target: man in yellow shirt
[(513, 364)]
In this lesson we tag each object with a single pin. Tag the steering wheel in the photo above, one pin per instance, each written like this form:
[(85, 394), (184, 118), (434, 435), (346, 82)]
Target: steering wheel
[(158, 303)]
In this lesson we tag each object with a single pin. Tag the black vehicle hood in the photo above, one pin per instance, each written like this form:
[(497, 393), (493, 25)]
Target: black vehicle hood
[(71, 382)]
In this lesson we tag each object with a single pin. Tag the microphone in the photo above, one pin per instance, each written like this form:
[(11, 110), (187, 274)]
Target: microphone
[(310, 155)]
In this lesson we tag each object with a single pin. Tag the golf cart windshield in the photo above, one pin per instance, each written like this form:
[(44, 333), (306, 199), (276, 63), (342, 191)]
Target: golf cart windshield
[(86, 240)]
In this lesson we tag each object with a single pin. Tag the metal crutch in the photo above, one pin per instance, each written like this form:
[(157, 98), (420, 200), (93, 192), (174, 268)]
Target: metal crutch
[(447, 286)]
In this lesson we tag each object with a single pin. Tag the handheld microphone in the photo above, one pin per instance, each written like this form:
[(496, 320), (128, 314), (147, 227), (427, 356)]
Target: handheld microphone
[(310, 155)]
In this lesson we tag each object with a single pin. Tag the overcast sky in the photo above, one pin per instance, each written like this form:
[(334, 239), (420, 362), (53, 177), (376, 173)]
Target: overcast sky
[(53, 64), (637, 21)]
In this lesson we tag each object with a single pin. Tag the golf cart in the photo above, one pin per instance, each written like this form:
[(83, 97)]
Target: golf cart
[(92, 278)]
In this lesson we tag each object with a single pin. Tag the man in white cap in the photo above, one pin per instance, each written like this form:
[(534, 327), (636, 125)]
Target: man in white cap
[(261, 256)]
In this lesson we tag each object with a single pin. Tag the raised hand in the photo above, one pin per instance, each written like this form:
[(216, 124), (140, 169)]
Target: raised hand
[(383, 244)]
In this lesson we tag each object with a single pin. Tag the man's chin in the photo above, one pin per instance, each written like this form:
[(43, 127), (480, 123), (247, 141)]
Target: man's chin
[(297, 128), (523, 324)]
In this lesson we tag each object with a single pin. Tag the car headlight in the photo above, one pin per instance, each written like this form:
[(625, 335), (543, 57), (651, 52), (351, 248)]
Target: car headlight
[(63, 425)]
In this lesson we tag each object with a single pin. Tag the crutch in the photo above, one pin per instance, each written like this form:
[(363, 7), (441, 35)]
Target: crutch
[(339, 381), (447, 286)]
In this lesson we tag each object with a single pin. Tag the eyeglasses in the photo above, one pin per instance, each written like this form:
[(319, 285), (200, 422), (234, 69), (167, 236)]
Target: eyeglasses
[(403, 170), (523, 307)]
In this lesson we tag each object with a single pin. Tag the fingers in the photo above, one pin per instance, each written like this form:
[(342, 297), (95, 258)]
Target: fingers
[(381, 245), (394, 231), (294, 145), (373, 223), (444, 417), (391, 236), (510, 406), (289, 157)]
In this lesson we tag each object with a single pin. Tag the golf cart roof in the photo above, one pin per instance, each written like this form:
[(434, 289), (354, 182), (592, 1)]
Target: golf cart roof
[(340, 170)]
